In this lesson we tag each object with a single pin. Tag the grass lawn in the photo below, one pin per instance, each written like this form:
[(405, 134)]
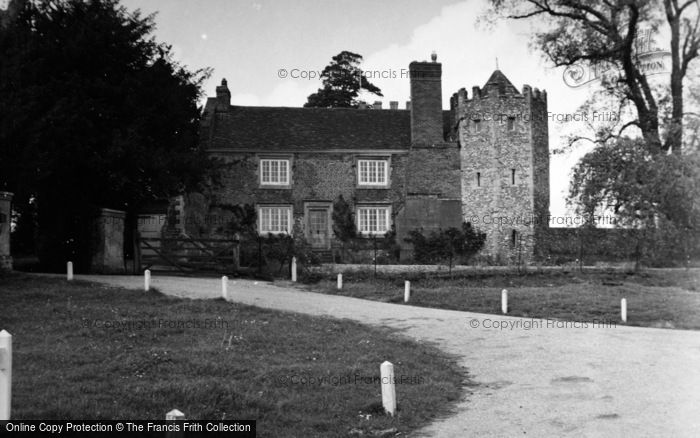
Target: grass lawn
[(668, 299), (298, 376)]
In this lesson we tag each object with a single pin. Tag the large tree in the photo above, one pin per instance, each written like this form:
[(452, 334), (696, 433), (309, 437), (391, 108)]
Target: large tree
[(633, 174), (607, 33), (342, 82), (94, 113)]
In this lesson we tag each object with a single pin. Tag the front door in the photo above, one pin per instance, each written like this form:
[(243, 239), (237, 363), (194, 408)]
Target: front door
[(319, 234)]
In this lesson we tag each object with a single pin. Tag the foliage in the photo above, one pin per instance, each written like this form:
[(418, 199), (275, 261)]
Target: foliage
[(446, 245), (280, 248), (343, 224), (611, 34), (342, 82), (94, 113), (644, 190), (243, 218)]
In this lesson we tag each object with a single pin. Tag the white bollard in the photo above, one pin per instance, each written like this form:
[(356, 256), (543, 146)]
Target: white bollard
[(623, 309), (340, 281), (388, 388), (224, 287), (175, 414), (5, 374), (69, 271), (147, 280), (294, 269), (406, 291), (504, 301)]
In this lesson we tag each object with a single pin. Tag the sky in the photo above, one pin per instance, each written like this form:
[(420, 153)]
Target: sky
[(252, 43)]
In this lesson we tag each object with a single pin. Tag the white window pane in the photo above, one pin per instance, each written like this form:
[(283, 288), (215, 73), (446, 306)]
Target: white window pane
[(381, 221), (283, 172), (372, 172), (274, 171)]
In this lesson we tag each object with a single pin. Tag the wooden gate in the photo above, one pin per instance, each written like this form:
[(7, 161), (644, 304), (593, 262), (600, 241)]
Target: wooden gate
[(187, 254)]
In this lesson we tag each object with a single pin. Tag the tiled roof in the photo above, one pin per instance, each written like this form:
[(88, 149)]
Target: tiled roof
[(283, 128), (499, 79)]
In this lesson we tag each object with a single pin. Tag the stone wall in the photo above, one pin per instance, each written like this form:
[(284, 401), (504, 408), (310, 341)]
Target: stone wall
[(315, 177), (653, 247), (505, 167)]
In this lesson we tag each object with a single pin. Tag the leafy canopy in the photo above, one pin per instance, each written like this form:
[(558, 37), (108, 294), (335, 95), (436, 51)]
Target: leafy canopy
[(342, 81), (94, 113)]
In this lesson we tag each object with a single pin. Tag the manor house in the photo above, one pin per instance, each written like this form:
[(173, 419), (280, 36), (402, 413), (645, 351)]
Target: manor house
[(484, 161)]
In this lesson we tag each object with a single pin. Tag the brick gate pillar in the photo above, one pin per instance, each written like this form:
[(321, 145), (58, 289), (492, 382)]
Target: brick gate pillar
[(108, 243)]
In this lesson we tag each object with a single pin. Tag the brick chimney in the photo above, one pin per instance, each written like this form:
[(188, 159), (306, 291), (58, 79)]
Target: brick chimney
[(426, 102), (394, 104), (377, 104), (223, 95)]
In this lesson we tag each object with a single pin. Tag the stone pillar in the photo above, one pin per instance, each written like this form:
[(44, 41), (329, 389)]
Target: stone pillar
[(5, 221), (108, 242)]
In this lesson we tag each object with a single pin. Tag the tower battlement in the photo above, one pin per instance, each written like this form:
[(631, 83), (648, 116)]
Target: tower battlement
[(504, 160)]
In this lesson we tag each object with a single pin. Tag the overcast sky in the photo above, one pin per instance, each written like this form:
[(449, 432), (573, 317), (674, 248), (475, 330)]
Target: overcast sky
[(248, 42)]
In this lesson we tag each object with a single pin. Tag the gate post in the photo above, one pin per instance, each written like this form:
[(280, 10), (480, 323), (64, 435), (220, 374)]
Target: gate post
[(236, 252)]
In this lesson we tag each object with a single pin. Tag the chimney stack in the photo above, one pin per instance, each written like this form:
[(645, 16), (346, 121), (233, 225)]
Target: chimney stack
[(394, 104), (223, 95), (377, 104), (426, 102)]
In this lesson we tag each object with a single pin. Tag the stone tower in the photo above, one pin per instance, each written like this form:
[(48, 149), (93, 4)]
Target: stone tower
[(504, 157)]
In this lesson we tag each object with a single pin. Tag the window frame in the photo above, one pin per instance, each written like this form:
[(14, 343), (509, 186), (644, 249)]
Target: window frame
[(290, 218), (385, 161), (261, 164), (358, 219)]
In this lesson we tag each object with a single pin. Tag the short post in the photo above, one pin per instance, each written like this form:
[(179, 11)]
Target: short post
[(340, 281), (406, 291), (224, 287), (147, 280), (174, 415), (388, 388), (504, 301), (5, 374), (623, 309), (69, 271), (294, 269)]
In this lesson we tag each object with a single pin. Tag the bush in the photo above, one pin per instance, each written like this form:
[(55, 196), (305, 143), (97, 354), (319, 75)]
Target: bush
[(446, 245)]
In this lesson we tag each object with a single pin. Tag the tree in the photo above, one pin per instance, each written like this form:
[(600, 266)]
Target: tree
[(644, 190), (342, 82), (446, 245), (94, 113), (608, 33)]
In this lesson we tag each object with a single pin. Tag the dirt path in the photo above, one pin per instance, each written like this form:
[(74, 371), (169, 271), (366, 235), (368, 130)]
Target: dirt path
[(543, 381)]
